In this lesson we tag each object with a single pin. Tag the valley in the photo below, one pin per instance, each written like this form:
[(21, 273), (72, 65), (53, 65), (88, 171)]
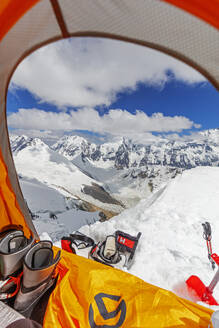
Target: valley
[(110, 177)]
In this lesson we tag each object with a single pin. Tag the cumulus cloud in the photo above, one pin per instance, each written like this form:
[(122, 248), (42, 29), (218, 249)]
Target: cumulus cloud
[(49, 137), (116, 122), (84, 72)]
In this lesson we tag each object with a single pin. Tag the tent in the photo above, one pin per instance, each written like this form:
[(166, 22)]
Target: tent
[(184, 29)]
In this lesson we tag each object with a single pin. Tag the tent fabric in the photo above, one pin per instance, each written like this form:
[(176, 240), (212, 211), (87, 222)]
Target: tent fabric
[(18, 40), (91, 294), (206, 10), (10, 213), (162, 25), (10, 13)]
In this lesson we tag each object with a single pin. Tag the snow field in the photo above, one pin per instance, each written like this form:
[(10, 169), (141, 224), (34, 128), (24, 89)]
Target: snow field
[(172, 247), (44, 201)]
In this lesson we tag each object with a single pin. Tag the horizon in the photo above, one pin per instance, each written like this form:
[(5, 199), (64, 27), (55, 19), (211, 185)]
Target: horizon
[(198, 137)]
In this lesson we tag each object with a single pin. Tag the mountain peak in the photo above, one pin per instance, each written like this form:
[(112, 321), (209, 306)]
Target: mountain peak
[(20, 142)]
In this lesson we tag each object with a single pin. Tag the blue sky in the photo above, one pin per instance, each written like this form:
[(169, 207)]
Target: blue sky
[(110, 89)]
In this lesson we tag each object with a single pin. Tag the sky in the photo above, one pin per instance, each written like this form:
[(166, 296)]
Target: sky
[(107, 89)]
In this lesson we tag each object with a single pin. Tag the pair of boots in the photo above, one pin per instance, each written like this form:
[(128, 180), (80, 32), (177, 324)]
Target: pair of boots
[(35, 262)]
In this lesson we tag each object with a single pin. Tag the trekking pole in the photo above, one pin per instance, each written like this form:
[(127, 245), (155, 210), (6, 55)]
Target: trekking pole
[(207, 236)]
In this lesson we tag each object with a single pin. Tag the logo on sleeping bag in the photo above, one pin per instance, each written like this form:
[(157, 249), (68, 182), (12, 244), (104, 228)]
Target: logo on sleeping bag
[(112, 319)]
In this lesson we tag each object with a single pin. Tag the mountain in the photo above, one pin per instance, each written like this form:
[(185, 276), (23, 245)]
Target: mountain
[(52, 211), (130, 170), (34, 159), (71, 146), (112, 176), (171, 247), (124, 154)]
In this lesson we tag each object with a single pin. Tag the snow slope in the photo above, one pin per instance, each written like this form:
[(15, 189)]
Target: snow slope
[(119, 183), (38, 161), (172, 247), (43, 200), (34, 159)]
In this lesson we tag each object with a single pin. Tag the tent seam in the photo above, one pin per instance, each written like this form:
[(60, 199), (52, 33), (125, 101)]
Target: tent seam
[(59, 17)]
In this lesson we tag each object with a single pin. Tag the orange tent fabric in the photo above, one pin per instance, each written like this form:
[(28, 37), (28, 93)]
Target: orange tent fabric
[(11, 11), (10, 213), (206, 10), (91, 295)]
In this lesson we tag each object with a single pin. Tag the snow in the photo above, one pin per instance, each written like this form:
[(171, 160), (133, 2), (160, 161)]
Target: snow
[(74, 219), (40, 197), (120, 183), (171, 247), (44, 201), (40, 162), (35, 160)]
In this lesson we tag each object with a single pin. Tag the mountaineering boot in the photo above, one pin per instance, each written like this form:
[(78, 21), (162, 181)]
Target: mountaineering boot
[(13, 247), (38, 269)]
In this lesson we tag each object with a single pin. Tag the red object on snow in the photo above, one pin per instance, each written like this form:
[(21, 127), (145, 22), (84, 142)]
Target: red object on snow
[(204, 293), (195, 284), (215, 257)]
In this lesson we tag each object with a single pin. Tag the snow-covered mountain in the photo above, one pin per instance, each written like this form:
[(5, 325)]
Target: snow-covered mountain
[(202, 151), (130, 171), (171, 247), (125, 171), (52, 211), (34, 159), (72, 146)]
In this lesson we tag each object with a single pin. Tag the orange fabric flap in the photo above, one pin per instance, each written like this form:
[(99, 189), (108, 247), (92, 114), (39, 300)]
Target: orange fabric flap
[(90, 294)]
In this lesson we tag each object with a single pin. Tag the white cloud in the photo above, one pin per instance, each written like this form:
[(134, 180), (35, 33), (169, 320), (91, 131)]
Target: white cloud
[(47, 136), (89, 72), (116, 122)]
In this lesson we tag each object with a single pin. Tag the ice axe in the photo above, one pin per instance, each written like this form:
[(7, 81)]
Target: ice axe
[(194, 283), (207, 237), (205, 294)]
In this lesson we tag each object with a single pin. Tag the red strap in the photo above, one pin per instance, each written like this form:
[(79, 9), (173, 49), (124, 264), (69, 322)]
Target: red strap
[(66, 245), (94, 249), (127, 242), (16, 281)]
